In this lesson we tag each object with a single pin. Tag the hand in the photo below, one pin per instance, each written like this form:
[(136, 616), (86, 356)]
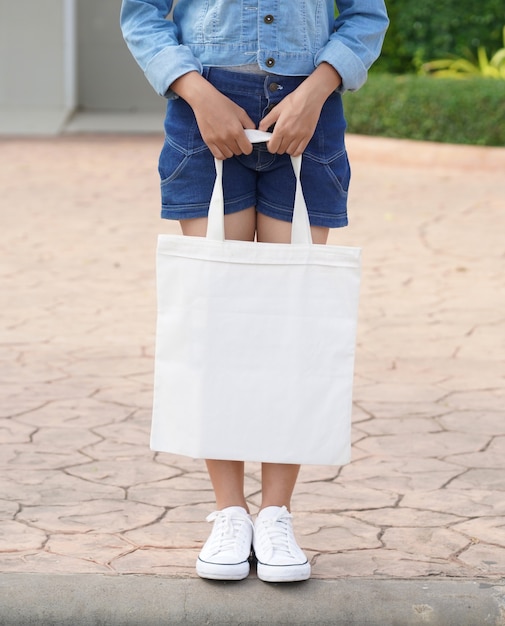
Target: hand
[(220, 120), (296, 116), (295, 119)]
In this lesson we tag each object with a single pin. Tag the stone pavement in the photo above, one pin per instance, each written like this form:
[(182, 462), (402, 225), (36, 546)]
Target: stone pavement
[(80, 491)]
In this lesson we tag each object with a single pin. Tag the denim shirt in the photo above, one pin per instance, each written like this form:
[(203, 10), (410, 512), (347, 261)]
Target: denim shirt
[(282, 37)]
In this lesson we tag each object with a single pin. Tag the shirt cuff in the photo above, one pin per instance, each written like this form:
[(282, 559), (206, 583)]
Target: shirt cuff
[(169, 65), (348, 65)]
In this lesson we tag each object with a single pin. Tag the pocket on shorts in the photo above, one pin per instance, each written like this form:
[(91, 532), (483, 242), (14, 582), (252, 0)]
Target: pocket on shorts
[(182, 140), (338, 169), (326, 149)]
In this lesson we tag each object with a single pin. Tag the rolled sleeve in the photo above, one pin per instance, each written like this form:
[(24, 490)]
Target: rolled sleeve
[(356, 41), (350, 67), (168, 65), (153, 42)]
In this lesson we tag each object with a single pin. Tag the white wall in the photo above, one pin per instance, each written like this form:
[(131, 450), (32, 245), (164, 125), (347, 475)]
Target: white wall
[(36, 72), (62, 56), (108, 77)]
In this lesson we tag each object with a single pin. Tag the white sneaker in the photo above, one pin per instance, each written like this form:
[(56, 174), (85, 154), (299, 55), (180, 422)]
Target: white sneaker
[(225, 554), (279, 557)]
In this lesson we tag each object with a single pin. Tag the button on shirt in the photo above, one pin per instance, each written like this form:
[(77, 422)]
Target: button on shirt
[(285, 38)]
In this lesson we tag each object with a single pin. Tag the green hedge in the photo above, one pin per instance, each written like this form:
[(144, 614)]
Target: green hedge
[(430, 29), (468, 111)]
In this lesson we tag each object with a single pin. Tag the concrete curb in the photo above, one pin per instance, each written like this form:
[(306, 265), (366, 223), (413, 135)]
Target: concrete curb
[(89, 599)]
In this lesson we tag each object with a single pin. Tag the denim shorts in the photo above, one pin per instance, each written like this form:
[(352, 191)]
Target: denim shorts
[(260, 179)]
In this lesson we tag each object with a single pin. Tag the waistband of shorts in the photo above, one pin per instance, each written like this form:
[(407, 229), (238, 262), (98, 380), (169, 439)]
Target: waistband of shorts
[(226, 79)]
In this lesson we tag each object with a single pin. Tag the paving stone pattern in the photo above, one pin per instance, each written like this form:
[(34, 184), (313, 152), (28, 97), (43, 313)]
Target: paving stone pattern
[(81, 492)]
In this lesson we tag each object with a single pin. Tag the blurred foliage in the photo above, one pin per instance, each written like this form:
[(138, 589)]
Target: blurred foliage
[(424, 108), (435, 29), (481, 65)]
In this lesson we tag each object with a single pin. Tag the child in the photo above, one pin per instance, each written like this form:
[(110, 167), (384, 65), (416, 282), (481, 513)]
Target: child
[(226, 66)]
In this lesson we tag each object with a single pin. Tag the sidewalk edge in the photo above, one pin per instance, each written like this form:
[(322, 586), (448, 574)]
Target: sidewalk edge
[(92, 599)]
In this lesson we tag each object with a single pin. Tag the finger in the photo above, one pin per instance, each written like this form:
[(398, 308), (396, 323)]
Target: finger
[(245, 120), (220, 152), (297, 148), (269, 119), (243, 145), (237, 144), (274, 146), (278, 143)]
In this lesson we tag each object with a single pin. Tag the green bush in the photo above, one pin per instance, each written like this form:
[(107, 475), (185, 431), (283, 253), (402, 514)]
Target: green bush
[(431, 109), (434, 29), (491, 67)]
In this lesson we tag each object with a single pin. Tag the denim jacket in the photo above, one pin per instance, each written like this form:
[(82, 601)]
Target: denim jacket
[(283, 37)]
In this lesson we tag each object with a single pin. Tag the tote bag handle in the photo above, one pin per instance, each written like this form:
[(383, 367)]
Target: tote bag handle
[(300, 229)]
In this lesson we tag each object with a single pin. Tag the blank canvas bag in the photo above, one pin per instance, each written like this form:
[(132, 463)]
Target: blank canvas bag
[(255, 343)]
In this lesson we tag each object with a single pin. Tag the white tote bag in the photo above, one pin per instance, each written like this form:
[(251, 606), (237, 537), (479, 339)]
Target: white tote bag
[(255, 344)]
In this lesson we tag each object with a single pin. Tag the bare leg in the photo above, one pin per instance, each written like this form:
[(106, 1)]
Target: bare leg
[(278, 482), (240, 226), (227, 478), (272, 230)]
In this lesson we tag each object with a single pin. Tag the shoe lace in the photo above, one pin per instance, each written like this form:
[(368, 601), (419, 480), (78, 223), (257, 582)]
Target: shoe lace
[(226, 531), (278, 532)]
